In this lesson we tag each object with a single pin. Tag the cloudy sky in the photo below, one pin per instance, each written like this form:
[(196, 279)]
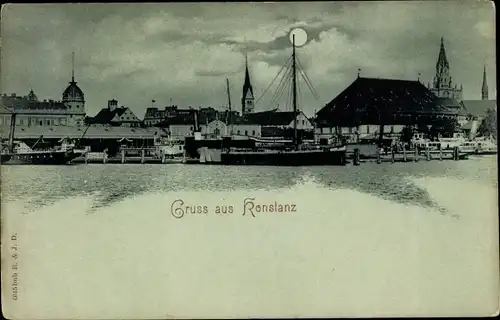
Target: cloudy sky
[(182, 53)]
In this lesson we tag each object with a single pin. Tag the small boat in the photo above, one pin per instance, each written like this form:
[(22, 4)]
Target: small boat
[(486, 146), (169, 150)]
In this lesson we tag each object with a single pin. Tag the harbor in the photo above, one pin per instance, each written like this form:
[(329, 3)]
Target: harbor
[(372, 120)]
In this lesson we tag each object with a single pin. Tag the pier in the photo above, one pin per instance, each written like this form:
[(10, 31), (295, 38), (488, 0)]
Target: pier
[(408, 156), (127, 156)]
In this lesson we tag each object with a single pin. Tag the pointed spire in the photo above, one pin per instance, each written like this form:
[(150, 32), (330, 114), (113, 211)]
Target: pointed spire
[(442, 60), (484, 89), (247, 85), (73, 67)]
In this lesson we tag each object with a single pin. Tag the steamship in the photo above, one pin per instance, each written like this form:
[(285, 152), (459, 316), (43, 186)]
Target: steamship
[(17, 152)]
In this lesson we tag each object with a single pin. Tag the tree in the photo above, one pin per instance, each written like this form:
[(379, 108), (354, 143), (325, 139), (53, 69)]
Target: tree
[(488, 126), (444, 127)]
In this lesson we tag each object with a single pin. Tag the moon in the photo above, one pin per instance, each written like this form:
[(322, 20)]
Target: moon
[(300, 36)]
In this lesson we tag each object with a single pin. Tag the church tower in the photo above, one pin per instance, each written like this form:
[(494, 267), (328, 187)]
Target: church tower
[(73, 98), (442, 85), (247, 99), (484, 89)]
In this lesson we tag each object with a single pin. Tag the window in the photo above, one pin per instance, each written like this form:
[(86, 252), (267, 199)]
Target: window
[(41, 123), (392, 129), (253, 132), (367, 128), (48, 122), (238, 132), (217, 131), (246, 132), (69, 106), (21, 122)]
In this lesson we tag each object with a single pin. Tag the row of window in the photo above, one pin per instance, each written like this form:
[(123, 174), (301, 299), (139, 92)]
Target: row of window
[(352, 130), (30, 121)]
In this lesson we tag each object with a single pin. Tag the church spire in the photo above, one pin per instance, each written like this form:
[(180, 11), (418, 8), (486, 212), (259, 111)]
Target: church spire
[(73, 67), (442, 78), (247, 99), (442, 62), (484, 89)]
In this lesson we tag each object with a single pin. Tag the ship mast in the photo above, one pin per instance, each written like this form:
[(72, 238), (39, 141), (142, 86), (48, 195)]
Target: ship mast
[(294, 71), (228, 117), (11, 132)]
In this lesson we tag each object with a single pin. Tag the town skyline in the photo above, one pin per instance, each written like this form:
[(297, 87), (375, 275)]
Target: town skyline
[(182, 53)]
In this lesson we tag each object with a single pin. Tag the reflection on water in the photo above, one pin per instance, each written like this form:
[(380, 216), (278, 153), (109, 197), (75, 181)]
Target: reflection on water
[(41, 185)]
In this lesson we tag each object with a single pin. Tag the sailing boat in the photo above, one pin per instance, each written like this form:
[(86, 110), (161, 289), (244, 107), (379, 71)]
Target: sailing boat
[(17, 152), (299, 154)]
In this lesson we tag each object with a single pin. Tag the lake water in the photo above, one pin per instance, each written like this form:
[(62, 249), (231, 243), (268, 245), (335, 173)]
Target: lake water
[(386, 239), (110, 183)]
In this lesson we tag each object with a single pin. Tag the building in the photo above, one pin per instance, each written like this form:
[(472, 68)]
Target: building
[(155, 116), (277, 123), (114, 116), (442, 85), (247, 98), (183, 125), (476, 109), (30, 111), (367, 104), (74, 99)]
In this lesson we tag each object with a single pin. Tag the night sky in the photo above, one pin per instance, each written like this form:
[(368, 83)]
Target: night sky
[(182, 53)]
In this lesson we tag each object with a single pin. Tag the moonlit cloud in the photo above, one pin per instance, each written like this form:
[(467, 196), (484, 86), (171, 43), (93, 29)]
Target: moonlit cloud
[(185, 51)]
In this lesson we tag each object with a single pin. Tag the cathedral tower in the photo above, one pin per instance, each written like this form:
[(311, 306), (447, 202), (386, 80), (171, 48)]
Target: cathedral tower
[(442, 85), (247, 99), (484, 89)]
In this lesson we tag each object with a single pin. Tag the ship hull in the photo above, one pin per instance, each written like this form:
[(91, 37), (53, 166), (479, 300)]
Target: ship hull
[(42, 158), (286, 158)]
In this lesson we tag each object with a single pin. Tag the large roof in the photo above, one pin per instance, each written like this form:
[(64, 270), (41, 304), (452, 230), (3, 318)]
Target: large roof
[(478, 107), (18, 102), (4, 110), (366, 98), (30, 132), (105, 116)]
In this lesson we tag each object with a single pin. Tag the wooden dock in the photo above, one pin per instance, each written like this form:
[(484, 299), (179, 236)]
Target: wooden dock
[(414, 155), (148, 156), (127, 155)]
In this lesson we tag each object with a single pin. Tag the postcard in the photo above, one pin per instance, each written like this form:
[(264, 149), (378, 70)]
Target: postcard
[(249, 160)]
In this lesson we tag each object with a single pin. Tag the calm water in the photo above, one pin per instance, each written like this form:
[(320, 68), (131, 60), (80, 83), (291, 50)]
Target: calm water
[(38, 186), (401, 236)]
